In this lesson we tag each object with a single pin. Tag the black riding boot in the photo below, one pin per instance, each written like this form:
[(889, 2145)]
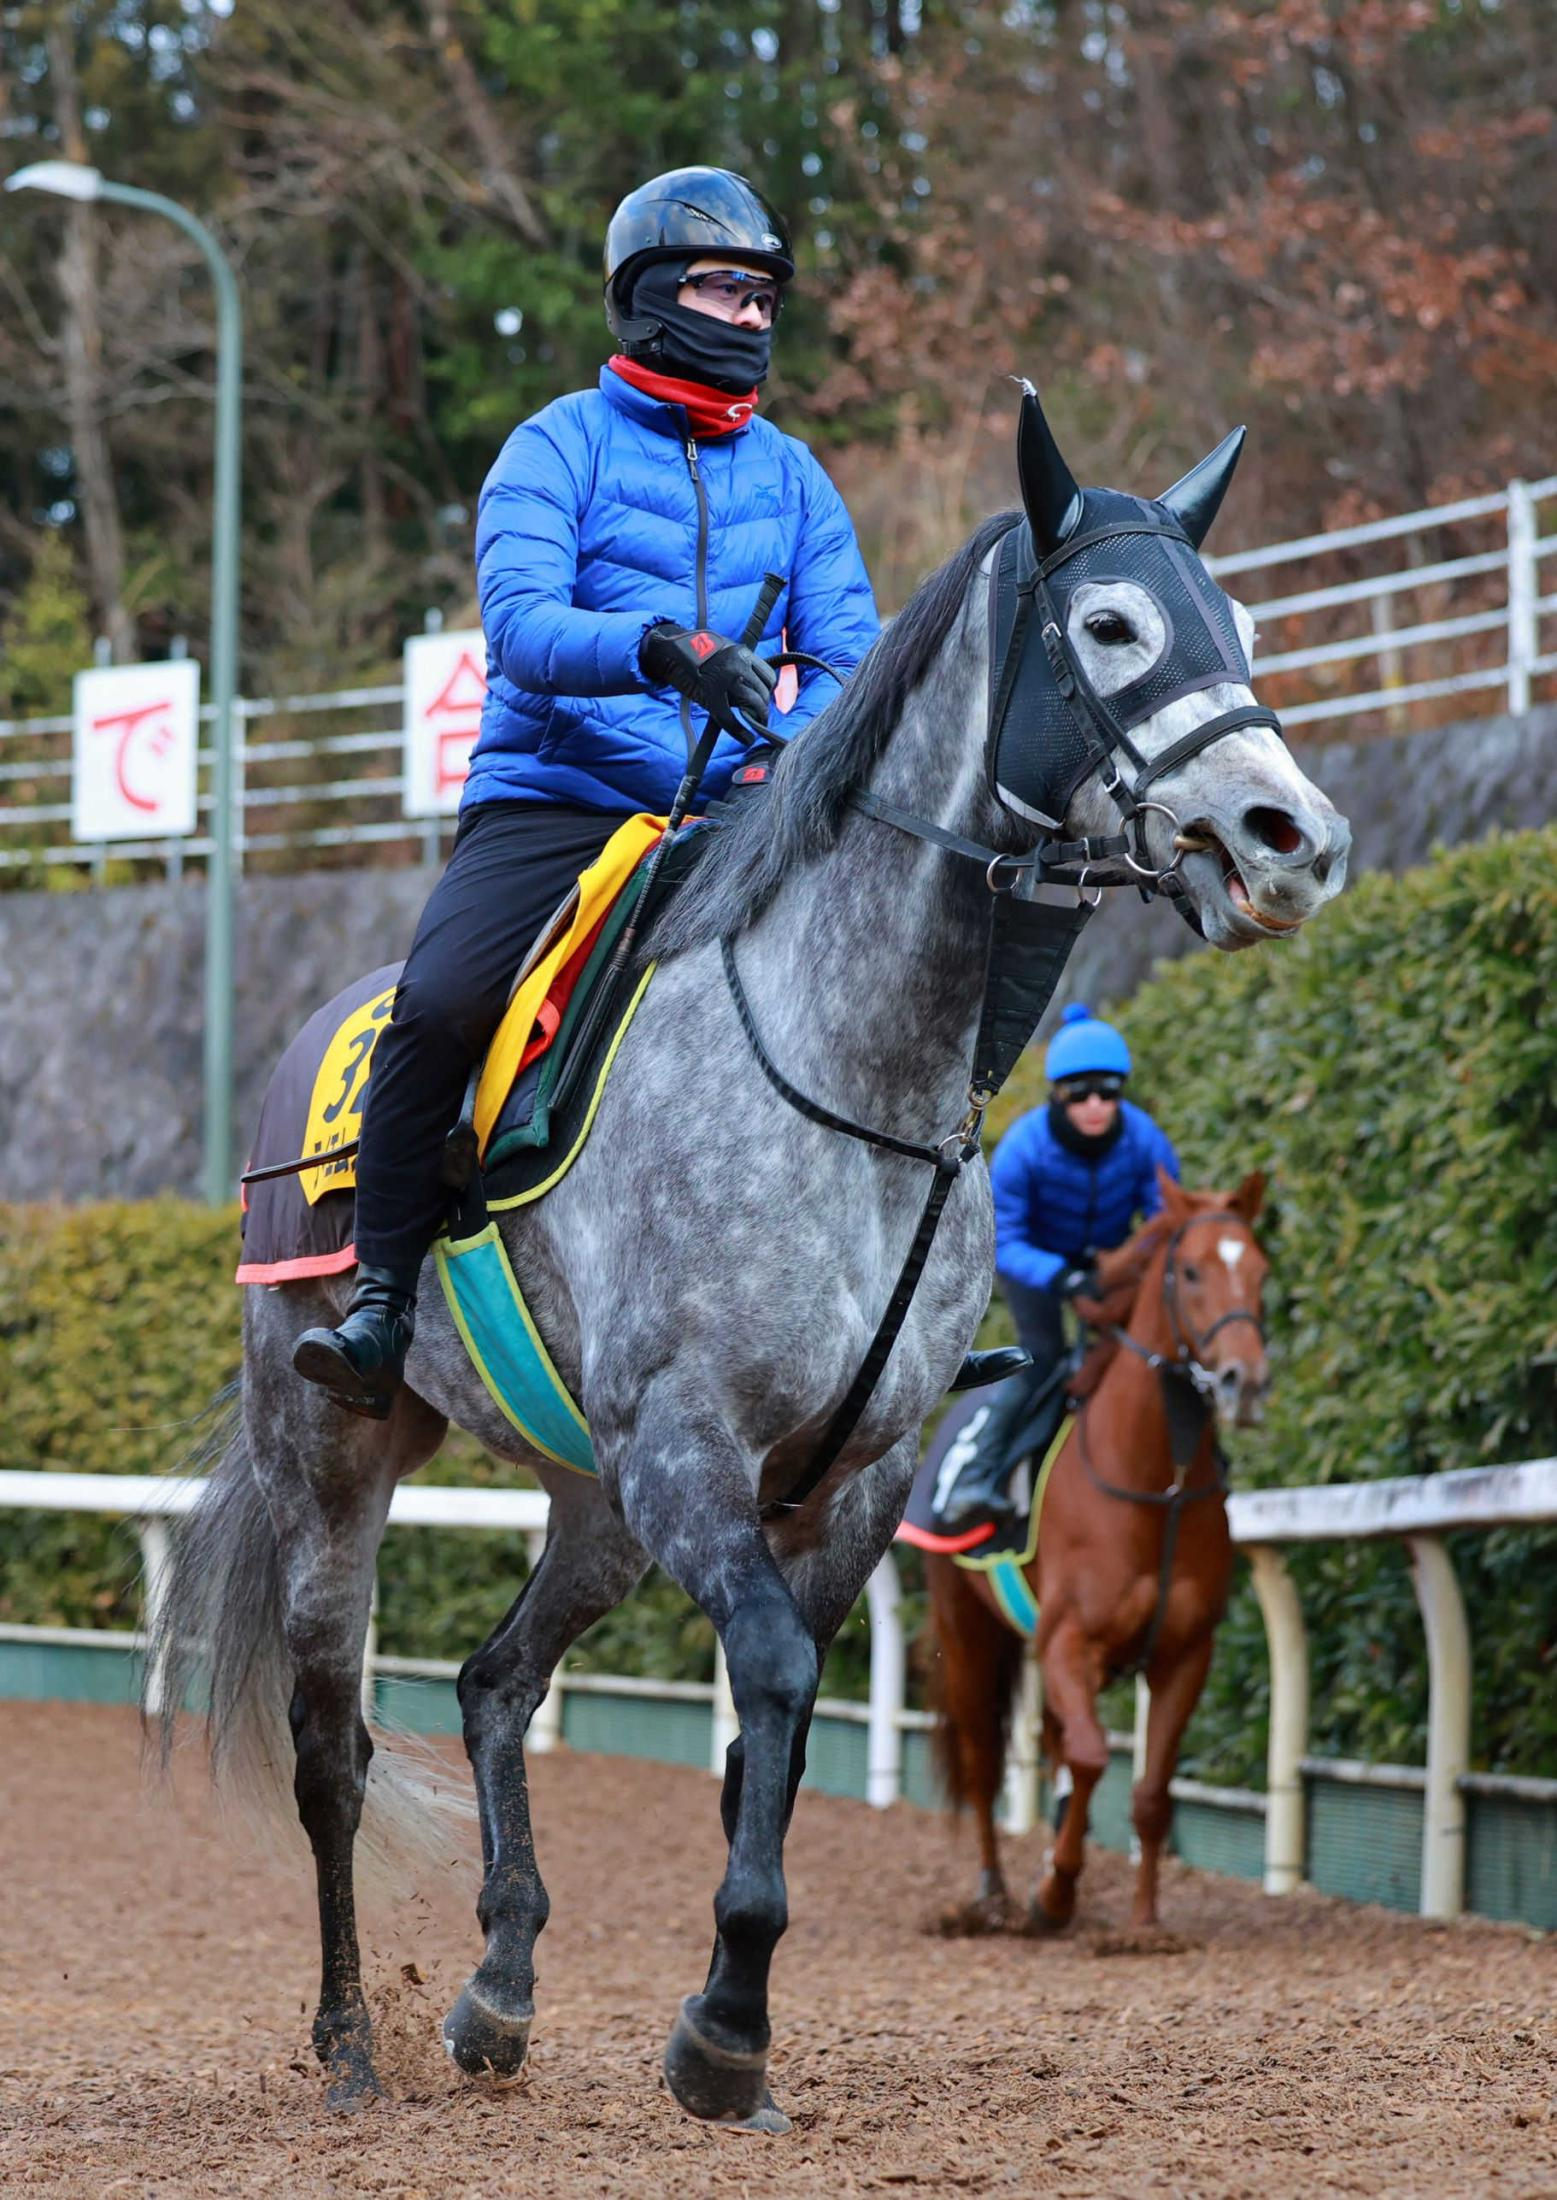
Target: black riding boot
[(980, 1489), (362, 1361), (994, 1366)]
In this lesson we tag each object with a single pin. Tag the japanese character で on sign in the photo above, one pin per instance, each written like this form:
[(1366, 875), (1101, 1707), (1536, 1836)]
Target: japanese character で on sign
[(136, 735), (445, 686)]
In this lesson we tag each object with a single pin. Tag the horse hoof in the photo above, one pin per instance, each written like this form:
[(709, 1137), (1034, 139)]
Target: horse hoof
[(1044, 1927), (353, 2090), (484, 2038), (344, 2046), (720, 2085), (353, 2082)]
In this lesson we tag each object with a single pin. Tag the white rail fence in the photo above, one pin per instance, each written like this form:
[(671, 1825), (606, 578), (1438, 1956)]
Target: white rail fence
[(324, 773), (1418, 1513)]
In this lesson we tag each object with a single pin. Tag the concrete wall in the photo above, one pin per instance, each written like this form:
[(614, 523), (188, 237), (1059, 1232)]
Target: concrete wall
[(100, 992)]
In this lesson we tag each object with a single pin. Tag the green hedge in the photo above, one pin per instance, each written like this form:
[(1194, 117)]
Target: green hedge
[(1395, 1070), (118, 1325)]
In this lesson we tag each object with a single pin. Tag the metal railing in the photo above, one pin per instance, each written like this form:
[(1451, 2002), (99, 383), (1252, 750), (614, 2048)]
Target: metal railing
[(1457, 617), (1417, 1512)]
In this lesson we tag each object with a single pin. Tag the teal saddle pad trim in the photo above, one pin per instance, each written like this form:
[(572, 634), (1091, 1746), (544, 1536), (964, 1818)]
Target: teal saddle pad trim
[(1008, 1585), (496, 1327)]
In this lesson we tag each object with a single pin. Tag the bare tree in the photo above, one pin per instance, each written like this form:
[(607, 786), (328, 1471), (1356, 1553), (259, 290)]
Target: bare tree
[(81, 344)]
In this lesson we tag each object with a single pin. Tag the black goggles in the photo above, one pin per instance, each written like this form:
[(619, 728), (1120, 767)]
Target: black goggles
[(1100, 1087)]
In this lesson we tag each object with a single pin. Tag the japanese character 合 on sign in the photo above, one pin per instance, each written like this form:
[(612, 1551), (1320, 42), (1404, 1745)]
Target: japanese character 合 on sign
[(445, 687)]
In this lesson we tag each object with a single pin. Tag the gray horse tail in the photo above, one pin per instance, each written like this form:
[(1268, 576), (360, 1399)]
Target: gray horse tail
[(218, 1642), (216, 1639)]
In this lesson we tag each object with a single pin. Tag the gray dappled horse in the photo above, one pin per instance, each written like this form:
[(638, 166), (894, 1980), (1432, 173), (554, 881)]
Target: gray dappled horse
[(711, 1271)]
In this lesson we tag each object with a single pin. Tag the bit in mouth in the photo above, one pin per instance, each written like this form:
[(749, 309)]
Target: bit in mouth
[(1201, 839)]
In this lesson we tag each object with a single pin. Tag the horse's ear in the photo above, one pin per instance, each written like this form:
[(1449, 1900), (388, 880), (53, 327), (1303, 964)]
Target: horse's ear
[(1250, 1195), (1196, 500), (1049, 493), (1172, 1191)]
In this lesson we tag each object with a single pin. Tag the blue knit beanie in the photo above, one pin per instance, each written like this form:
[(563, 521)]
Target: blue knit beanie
[(1085, 1046)]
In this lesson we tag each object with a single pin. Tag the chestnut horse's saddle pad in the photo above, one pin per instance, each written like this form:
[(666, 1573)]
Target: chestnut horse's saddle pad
[(1002, 1557)]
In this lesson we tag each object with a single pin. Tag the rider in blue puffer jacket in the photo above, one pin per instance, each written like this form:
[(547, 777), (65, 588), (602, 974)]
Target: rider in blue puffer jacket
[(1069, 1182), (623, 536)]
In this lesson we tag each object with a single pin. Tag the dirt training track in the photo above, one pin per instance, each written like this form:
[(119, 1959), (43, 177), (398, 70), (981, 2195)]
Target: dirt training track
[(153, 2034)]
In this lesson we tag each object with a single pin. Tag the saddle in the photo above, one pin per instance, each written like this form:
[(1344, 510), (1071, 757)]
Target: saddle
[(529, 1109)]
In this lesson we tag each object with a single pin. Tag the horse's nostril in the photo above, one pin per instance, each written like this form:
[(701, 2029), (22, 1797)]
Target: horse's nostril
[(1275, 829)]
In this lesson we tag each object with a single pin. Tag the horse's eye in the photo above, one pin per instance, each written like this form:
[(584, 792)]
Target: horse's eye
[(1110, 628), (1191, 1275)]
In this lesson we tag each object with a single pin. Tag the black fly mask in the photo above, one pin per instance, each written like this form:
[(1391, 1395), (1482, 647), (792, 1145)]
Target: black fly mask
[(1048, 726)]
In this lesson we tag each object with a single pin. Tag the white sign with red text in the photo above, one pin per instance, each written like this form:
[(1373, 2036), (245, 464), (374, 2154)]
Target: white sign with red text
[(445, 686), (136, 735)]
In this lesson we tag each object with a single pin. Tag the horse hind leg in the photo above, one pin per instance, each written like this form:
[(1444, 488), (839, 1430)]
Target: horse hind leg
[(327, 1479), (589, 1564), (977, 1680)]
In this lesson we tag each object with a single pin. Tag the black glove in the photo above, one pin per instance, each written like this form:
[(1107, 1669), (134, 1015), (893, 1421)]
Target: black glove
[(719, 676), (1080, 1283)]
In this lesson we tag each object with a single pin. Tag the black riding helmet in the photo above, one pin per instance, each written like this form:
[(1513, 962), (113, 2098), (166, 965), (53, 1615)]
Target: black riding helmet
[(686, 214)]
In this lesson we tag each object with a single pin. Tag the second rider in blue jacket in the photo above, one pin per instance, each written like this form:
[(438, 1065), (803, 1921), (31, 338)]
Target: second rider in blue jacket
[(623, 535), (1069, 1181)]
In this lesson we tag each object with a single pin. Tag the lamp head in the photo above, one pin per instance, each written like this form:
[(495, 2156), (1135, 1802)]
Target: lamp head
[(66, 179)]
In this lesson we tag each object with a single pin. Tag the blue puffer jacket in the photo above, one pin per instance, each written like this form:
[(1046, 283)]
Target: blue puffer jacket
[(1053, 1208), (589, 532)]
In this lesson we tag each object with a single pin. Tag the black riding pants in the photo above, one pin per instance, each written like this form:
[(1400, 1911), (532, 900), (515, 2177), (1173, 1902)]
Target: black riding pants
[(511, 866), (1040, 1324)]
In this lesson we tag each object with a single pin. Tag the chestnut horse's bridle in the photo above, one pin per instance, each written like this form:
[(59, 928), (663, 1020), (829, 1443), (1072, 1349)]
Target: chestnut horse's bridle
[(1187, 1387)]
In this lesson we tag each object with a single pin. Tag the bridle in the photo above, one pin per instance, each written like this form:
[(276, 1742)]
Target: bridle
[(1188, 1386), (1105, 739), (1189, 1345)]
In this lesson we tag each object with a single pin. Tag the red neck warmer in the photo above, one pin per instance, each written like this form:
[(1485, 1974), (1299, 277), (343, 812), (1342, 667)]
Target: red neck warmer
[(713, 413)]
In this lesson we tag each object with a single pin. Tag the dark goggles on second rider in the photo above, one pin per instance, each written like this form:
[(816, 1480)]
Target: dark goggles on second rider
[(730, 288), (1100, 1087)]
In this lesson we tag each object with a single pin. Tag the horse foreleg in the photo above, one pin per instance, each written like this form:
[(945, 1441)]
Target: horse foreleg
[(1070, 1684), (1173, 1698), (588, 1566), (717, 2056), (688, 1498)]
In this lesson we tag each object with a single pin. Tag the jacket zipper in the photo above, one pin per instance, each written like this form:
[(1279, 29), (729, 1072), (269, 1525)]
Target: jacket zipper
[(696, 472)]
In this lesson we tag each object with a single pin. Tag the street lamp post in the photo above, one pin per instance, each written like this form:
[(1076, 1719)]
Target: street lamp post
[(73, 180)]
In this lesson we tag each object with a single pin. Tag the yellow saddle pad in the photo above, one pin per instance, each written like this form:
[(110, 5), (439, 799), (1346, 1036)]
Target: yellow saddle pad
[(340, 1082), (561, 948)]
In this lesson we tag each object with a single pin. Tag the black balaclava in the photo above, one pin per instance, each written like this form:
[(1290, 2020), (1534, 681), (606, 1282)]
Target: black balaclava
[(1088, 1145), (697, 345)]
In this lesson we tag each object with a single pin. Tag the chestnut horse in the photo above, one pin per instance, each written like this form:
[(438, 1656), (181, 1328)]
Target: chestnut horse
[(1133, 1557)]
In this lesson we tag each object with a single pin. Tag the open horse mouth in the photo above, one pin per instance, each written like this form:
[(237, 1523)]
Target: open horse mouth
[(1200, 839)]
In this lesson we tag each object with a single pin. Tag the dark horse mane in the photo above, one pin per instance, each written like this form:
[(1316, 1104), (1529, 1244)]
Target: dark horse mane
[(800, 815)]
